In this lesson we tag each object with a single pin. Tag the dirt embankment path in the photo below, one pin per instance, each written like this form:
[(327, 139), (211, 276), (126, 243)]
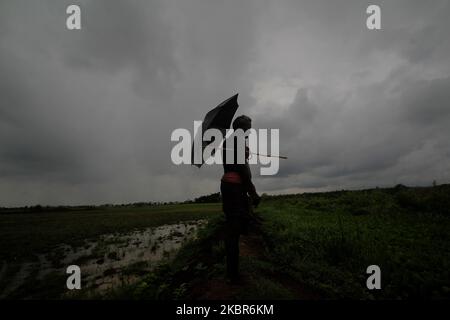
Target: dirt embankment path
[(251, 247)]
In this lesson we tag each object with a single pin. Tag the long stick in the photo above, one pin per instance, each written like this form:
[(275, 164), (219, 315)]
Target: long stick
[(269, 155), (258, 154)]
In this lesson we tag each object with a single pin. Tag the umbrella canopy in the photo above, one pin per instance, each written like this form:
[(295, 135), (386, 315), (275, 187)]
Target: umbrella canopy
[(218, 118)]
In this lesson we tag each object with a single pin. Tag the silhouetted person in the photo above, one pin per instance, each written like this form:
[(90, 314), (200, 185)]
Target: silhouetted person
[(238, 193)]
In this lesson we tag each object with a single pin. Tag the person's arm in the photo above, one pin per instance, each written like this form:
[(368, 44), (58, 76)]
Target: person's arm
[(245, 174)]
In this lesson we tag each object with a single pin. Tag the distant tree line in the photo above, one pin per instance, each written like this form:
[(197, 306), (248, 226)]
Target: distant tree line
[(211, 198)]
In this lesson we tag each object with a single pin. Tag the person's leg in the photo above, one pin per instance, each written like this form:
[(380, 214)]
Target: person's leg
[(234, 207), (232, 248)]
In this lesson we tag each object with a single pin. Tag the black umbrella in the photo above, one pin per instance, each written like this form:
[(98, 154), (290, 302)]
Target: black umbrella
[(218, 118)]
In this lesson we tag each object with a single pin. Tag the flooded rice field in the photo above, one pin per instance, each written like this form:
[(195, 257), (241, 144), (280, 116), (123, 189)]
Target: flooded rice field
[(107, 262)]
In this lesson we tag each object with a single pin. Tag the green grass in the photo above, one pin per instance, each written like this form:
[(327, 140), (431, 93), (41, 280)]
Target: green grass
[(23, 235), (314, 245), (328, 240), (320, 245)]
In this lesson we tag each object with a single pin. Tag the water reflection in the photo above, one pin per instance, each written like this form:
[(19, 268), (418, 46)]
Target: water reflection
[(108, 261)]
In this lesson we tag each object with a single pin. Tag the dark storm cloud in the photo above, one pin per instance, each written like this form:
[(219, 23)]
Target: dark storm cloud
[(417, 32), (122, 35), (364, 139), (427, 102), (86, 116)]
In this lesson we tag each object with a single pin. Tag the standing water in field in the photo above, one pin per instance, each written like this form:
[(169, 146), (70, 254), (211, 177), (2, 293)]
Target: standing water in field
[(107, 262)]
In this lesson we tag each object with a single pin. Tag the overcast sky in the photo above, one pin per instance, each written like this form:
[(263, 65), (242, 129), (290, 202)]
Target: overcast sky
[(86, 116)]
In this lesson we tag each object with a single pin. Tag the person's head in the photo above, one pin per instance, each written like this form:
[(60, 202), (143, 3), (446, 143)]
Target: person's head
[(242, 122)]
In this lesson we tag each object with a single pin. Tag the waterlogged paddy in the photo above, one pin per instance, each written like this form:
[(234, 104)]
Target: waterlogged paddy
[(107, 262)]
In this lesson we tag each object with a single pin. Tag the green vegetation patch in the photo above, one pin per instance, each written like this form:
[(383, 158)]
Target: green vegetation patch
[(328, 240)]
